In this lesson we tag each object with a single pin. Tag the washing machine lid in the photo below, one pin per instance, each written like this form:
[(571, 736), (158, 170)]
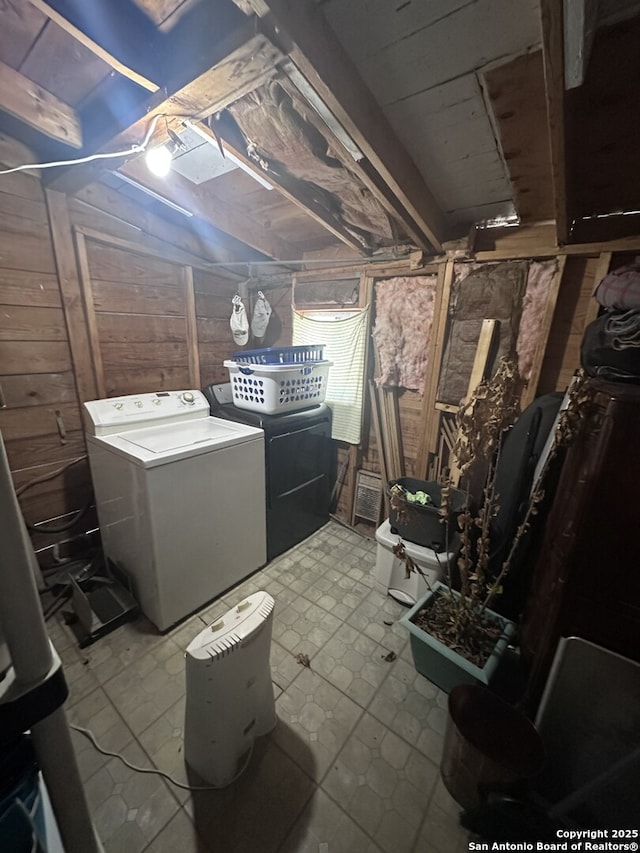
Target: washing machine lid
[(159, 445), (238, 625)]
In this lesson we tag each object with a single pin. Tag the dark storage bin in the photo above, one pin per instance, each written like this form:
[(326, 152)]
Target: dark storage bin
[(421, 524)]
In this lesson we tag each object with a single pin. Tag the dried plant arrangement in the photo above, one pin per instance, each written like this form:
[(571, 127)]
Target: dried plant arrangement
[(461, 618)]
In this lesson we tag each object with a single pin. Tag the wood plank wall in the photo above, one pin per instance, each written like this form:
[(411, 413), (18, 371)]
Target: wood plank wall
[(138, 299), (40, 416), (138, 296), (575, 308)]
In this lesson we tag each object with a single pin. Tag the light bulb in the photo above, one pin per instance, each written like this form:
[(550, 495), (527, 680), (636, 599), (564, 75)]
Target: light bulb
[(158, 160)]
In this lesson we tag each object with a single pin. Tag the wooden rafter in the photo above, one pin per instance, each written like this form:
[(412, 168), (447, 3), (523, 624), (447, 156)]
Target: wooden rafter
[(29, 102), (309, 41), (204, 203), (553, 56), (91, 33), (369, 177), (290, 190), (237, 62)]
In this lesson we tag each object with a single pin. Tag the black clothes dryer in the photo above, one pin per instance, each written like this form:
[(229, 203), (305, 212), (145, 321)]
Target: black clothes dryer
[(299, 462)]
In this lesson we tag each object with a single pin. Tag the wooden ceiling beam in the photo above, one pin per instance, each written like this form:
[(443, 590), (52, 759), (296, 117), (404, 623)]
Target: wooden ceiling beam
[(202, 202), (121, 40), (237, 62), (25, 100), (304, 34), (290, 189), (553, 58)]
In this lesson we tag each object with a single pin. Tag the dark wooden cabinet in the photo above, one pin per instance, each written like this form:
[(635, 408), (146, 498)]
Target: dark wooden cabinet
[(587, 578)]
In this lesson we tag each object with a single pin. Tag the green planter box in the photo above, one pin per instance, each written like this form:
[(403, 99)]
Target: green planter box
[(439, 663)]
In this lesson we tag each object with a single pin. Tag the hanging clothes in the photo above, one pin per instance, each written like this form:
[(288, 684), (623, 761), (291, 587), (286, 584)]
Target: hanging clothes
[(239, 323), (261, 316)]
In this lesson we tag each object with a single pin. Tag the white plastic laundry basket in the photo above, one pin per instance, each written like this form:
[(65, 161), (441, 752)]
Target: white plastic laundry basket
[(278, 388)]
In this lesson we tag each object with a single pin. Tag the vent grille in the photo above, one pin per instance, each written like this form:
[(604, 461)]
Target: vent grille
[(368, 502)]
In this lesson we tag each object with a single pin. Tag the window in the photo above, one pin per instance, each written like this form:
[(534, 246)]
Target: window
[(344, 334)]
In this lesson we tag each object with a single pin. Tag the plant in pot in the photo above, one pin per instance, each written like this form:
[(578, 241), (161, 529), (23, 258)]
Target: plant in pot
[(455, 635)]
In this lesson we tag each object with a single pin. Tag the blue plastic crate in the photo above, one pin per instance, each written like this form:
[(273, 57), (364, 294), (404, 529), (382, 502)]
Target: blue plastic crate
[(281, 355)]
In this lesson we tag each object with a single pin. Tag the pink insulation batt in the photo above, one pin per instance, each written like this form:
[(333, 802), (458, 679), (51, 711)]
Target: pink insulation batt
[(534, 306), (404, 318)]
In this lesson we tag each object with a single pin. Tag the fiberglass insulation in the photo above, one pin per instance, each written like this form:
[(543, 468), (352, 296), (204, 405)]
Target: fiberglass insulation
[(404, 317), (485, 291), (534, 306)]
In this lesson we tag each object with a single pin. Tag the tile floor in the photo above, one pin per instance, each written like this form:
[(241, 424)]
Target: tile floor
[(351, 767)]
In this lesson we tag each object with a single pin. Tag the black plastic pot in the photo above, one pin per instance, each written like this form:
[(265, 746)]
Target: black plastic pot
[(423, 524), (488, 746)]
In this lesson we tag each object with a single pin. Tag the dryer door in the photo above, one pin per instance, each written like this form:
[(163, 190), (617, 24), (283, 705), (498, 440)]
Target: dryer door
[(299, 465)]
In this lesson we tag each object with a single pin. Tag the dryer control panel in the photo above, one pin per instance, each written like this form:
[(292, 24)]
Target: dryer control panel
[(117, 414)]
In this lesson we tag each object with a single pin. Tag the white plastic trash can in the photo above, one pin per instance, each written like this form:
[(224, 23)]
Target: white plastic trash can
[(389, 573), (229, 699)]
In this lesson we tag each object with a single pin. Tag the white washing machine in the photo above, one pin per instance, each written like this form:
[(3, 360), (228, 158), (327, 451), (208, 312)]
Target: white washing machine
[(180, 498)]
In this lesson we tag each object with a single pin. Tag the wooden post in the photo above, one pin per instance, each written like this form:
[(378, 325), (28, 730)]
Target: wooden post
[(92, 326), (430, 421), (478, 373), (70, 290), (529, 393), (604, 262), (192, 327)]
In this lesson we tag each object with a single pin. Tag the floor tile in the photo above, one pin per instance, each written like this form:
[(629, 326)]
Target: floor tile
[(352, 764), (257, 811), (384, 784), (109, 655), (80, 678), (284, 665), (324, 826), (314, 721), (164, 744), (178, 836), (149, 686), (353, 663), (128, 808), (98, 715), (376, 617), (441, 831), (413, 708)]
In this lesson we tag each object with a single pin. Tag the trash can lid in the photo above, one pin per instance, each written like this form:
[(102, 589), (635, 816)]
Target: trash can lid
[(235, 627), (425, 557)]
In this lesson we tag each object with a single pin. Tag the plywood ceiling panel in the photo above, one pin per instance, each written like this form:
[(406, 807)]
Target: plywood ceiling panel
[(63, 66), (517, 95), (449, 135), (421, 61), (21, 24), (382, 24), (443, 50)]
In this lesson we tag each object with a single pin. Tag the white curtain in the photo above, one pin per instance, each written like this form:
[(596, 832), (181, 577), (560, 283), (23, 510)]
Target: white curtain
[(344, 334)]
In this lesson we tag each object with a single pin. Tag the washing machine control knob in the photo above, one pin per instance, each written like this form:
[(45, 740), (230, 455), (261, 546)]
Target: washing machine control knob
[(188, 398), (118, 405), (139, 403), (157, 402)]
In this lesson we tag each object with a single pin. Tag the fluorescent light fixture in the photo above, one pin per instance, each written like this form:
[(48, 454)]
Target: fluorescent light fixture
[(313, 98), (153, 194), (228, 154)]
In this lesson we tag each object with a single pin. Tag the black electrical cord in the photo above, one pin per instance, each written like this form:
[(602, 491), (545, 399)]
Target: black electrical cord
[(61, 528)]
